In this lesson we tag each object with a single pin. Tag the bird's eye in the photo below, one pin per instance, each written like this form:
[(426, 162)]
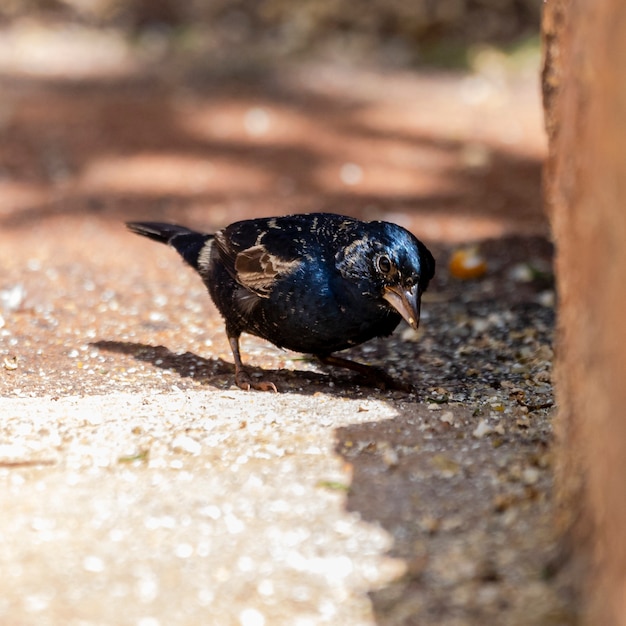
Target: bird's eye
[(384, 264)]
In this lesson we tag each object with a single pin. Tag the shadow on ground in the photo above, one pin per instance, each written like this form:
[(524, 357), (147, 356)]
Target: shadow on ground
[(469, 525), (220, 374)]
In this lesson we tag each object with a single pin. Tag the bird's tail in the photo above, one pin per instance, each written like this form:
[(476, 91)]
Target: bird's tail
[(188, 243)]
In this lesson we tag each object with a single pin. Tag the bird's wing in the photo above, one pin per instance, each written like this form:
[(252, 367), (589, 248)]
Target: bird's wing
[(254, 267), (259, 270)]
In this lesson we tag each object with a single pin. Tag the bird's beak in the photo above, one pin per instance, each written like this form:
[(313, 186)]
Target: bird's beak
[(406, 301)]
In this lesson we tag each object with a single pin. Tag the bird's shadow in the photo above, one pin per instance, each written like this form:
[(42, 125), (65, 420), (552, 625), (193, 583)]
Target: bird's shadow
[(216, 372)]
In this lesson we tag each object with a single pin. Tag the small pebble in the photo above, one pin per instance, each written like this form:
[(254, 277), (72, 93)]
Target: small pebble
[(547, 299), (183, 550), (93, 564), (521, 273), (482, 429), (389, 455), (184, 443), (12, 298), (530, 476), (10, 363), (447, 417), (251, 617)]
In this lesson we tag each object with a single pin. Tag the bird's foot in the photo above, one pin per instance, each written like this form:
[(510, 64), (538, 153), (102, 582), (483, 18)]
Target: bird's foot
[(245, 382)]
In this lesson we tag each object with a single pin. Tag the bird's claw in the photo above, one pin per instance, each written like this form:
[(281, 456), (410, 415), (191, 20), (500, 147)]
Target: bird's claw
[(243, 381), (264, 385)]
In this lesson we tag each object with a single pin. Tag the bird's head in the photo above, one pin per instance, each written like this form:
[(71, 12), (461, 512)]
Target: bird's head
[(392, 266)]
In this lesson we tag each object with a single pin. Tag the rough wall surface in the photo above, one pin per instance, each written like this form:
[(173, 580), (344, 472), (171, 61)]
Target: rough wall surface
[(585, 95)]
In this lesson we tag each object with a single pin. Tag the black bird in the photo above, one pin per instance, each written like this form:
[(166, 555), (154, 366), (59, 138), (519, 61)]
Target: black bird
[(315, 283)]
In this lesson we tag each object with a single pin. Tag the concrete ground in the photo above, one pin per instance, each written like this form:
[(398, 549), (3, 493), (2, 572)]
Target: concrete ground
[(139, 486)]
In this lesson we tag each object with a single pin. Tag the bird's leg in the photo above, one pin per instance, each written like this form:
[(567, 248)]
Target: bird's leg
[(242, 378), (374, 375)]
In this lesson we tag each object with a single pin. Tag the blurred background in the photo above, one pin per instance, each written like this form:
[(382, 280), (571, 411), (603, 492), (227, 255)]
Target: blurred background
[(217, 110), (417, 32)]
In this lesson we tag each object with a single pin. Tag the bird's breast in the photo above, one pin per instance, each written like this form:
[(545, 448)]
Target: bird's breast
[(315, 320)]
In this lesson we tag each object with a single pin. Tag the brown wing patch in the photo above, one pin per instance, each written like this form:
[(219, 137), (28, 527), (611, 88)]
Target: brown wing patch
[(258, 270)]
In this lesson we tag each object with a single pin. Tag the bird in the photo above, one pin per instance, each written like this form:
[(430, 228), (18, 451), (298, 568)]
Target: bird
[(314, 283)]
